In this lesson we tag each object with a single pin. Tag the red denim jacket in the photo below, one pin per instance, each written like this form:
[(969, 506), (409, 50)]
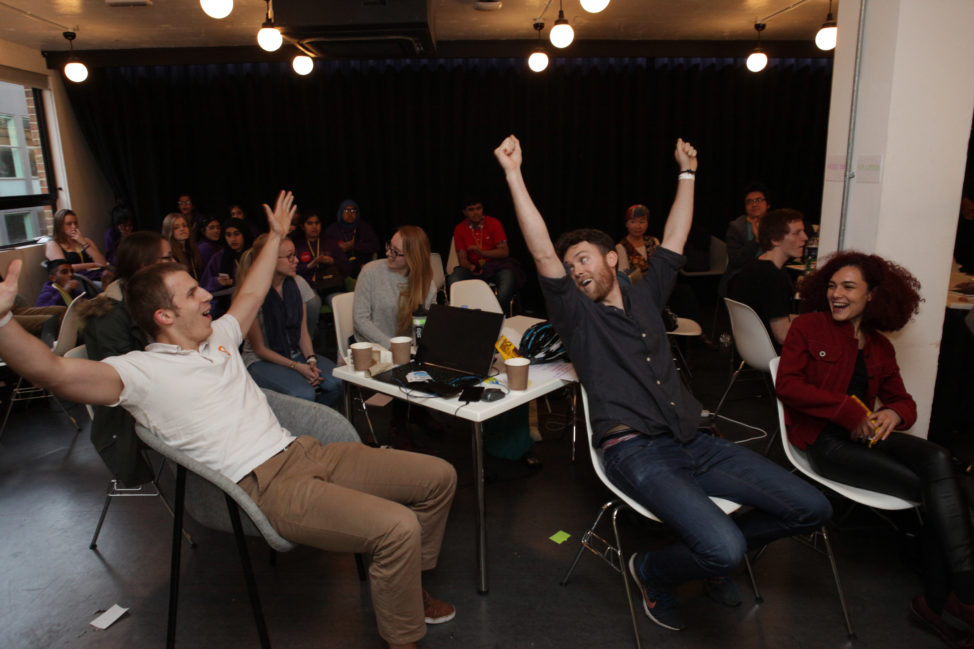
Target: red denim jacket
[(817, 361)]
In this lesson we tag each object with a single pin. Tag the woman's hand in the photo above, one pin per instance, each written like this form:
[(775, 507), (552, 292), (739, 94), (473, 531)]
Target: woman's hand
[(877, 426), (346, 245), (323, 259), (309, 372), (224, 280)]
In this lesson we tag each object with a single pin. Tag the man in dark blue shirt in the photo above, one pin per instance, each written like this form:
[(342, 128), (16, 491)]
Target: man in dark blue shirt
[(644, 420)]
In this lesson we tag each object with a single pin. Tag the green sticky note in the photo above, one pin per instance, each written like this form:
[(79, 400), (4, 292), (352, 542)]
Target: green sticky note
[(560, 537)]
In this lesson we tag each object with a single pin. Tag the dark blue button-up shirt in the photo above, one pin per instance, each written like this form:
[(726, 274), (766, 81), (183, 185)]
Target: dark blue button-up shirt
[(623, 357)]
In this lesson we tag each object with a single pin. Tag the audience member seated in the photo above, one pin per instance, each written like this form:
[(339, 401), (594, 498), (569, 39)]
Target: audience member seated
[(110, 331), (176, 230), (61, 287), (634, 252), (221, 271), (278, 351), (186, 207), (389, 290), (742, 233), (320, 261), (482, 252), (209, 239), (123, 222), (354, 236), (764, 284), (340, 497), (80, 251), (834, 366)]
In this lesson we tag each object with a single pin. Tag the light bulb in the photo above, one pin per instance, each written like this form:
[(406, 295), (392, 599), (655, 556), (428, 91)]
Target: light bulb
[(302, 64), (561, 34), (217, 8), (825, 38), (269, 39), (594, 6), (76, 71), (757, 61), (538, 61)]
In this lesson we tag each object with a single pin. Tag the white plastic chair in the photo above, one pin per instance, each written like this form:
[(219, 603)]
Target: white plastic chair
[(452, 258), (613, 554), (474, 294), (754, 346), (66, 338), (869, 498), (342, 310)]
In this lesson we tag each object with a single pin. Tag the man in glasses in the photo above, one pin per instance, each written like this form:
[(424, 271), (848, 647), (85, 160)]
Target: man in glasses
[(482, 253), (742, 233)]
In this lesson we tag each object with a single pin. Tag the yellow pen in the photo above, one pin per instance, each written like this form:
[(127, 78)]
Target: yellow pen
[(869, 414)]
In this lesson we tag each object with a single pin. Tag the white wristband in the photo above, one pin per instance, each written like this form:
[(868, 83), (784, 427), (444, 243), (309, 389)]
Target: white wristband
[(686, 176), (5, 319)]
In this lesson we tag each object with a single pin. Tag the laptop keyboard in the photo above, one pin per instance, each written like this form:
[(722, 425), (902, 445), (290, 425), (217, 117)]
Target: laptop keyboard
[(397, 375)]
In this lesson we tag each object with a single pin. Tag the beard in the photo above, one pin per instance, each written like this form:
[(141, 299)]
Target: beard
[(600, 286)]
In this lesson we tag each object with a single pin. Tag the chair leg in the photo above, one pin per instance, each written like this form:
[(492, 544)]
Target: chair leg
[(10, 405), (585, 537), (754, 582), (625, 575), (838, 584), (101, 519), (368, 419), (177, 525), (574, 400), (720, 404), (265, 642), (67, 414)]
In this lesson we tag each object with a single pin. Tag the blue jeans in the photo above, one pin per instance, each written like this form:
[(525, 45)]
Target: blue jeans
[(504, 278), (675, 482), (287, 381)]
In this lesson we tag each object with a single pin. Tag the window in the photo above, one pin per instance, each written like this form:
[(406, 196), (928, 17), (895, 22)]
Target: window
[(26, 179)]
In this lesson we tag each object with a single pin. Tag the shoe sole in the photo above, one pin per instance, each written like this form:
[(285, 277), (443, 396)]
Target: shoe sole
[(642, 591), (924, 624), (442, 619)]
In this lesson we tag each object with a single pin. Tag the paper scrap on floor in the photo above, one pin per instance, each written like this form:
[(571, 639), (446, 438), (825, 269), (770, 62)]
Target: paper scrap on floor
[(560, 537), (109, 617)]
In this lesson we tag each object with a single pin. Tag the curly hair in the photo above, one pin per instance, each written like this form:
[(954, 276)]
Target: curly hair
[(895, 291)]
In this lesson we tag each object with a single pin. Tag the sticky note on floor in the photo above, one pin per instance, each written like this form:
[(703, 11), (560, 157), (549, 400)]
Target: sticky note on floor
[(109, 617), (560, 537)]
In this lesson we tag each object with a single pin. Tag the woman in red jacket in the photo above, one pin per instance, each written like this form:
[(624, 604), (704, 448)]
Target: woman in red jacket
[(835, 353)]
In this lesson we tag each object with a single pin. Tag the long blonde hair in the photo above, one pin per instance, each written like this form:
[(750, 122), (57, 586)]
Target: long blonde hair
[(416, 249), (183, 252)]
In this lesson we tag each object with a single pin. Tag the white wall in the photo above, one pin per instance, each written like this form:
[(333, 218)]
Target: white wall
[(916, 100)]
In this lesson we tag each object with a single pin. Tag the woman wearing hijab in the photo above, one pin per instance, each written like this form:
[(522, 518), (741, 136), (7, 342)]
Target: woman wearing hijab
[(354, 236)]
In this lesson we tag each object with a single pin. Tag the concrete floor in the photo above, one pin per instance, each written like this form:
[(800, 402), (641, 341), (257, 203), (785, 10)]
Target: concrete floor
[(52, 488)]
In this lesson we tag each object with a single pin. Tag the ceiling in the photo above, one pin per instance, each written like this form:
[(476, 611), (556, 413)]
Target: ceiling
[(458, 28)]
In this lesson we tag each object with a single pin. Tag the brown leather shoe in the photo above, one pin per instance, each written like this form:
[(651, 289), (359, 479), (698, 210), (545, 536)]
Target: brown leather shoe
[(924, 617), (437, 612)]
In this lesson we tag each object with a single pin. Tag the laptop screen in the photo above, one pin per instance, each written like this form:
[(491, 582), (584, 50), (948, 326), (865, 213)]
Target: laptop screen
[(460, 339)]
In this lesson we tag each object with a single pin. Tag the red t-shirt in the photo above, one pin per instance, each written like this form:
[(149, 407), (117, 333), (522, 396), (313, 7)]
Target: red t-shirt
[(486, 237)]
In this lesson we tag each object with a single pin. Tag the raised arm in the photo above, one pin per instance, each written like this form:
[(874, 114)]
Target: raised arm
[(79, 380), (678, 223), (532, 224), (251, 293)]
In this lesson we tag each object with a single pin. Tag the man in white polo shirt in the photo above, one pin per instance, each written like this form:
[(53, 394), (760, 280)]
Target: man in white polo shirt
[(191, 388)]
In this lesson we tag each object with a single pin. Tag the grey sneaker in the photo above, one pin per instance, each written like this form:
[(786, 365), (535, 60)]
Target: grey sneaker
[(723, 590), (658, 603)]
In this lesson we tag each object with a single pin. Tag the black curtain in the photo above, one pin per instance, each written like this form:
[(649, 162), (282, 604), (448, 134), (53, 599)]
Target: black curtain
[(408, 138)]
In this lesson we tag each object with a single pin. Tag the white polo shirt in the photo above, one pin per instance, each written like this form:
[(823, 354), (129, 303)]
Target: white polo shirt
[(202, 401)]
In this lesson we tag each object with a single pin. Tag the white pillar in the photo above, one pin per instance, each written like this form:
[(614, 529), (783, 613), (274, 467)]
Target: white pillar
[(911, 129)]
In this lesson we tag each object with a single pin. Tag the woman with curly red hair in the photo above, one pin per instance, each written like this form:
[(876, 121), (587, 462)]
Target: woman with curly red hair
[(835, 364)]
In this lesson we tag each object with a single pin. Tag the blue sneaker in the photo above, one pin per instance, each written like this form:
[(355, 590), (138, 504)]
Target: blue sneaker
[(723, 590), (659, 604)]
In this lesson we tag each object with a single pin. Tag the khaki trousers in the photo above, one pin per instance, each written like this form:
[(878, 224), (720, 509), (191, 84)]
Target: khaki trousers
[(349, 497)]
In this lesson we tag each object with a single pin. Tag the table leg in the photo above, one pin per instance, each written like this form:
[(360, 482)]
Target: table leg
[(481, 496), (574, 399), (349, 413)]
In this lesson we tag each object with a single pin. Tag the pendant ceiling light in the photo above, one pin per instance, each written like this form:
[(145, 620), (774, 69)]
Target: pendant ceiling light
[(269, 37), (562, 34), (217, 8), (594, 6), (758, 60), (826, 36), (538, 61), (74, 69), (302, 64)]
